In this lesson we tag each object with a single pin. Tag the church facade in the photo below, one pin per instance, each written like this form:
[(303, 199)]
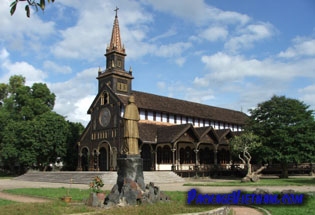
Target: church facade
[(174, 134)]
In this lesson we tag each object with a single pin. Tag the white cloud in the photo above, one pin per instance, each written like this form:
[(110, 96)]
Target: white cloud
[(197, 11), (246, 37), (74, 97), (308, 95), (214, 33), (170, 50), (254, 80), (87, 39), (301, 47), (169, 33), (180, 61), (21, 33), (224, 67), (161, 85), (55, 68), (9, 69)]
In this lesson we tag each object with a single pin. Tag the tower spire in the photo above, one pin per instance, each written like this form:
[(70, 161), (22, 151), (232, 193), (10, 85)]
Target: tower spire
[(115, 42), (115, 76)]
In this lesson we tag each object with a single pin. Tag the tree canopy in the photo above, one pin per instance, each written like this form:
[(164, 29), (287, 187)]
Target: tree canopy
[(286, 128), (31, 133)]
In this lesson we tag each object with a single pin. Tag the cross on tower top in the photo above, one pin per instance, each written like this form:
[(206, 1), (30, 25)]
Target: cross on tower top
[(116, 10)]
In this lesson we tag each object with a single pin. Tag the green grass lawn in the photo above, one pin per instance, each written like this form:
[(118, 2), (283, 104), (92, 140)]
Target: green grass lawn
[(308, 207), (175, 206), (5, 202), (262, 182), (52, 193)]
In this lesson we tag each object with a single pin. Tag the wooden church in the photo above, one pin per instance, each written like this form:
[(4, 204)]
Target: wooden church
[(175, 134)]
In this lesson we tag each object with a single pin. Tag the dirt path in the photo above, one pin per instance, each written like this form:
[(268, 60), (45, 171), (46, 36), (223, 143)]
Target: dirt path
[(20, 198), (242, 210)]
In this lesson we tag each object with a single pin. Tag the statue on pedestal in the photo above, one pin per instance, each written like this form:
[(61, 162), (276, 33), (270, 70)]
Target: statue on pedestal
[(130, 188), (131, 131)]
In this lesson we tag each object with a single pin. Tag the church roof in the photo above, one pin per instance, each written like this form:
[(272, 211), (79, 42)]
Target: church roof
[(186, 108), (166, 133), (172, 133)]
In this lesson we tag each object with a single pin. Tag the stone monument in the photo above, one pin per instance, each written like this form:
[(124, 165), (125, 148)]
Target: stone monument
[(130, 188)]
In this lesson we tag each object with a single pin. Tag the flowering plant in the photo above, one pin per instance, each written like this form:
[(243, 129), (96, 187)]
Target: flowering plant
[(96, 184)]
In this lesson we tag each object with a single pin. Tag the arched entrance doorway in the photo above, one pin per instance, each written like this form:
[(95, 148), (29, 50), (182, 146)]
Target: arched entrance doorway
[(85, 159), (103, 159), (146, 157)]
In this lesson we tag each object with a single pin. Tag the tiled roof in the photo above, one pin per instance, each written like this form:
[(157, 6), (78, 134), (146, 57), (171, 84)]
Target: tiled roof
[(162, 133), (171, 133), (186, 108)]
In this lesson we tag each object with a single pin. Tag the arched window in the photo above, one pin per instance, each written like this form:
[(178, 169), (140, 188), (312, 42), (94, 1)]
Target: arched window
[(104, 98), (164, 155), (223, 156), (159, 155), (206, 156), (186, 155), (85, 159)]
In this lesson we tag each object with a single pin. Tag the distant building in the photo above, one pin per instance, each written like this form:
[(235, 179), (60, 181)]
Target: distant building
[(174, 134)]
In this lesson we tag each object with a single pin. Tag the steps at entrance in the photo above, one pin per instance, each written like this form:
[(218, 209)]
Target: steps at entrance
[(158, 177), (162, 177)]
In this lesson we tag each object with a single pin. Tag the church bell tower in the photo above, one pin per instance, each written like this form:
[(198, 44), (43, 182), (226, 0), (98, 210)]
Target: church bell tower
[(115, 75)]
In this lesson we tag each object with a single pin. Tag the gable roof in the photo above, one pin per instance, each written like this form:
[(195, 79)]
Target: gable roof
[(98, 96), (207, 132), (186, 108), (171, 134), (225, 133)]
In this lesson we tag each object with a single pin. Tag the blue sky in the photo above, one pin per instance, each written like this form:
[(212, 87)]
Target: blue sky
[(230, 54)]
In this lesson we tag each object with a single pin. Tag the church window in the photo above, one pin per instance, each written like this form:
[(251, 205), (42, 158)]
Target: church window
[(179, 120), (164, 117), (164, 155), (196, 122), (104, 98), (154, 116), (190, 120), (146, 114), (223, 156), (184, 120), (206, 156), (142, 114), (150, 115), (187, 155), (158, 117), (171, 118)]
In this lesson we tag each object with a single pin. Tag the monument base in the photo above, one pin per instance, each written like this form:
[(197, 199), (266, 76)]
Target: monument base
[(129, 168), (130, 188)]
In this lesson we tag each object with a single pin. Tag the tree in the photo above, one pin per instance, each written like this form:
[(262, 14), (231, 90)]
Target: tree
[(71, 157), (24, 102), (31, 134), (50, 133), (286, 128), (243, 145), (35, 4)]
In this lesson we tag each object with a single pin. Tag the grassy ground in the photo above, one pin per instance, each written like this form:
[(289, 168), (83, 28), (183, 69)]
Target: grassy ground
[(175, 206), (5, 202), (308, 207), (262, 182), (52, 193)]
